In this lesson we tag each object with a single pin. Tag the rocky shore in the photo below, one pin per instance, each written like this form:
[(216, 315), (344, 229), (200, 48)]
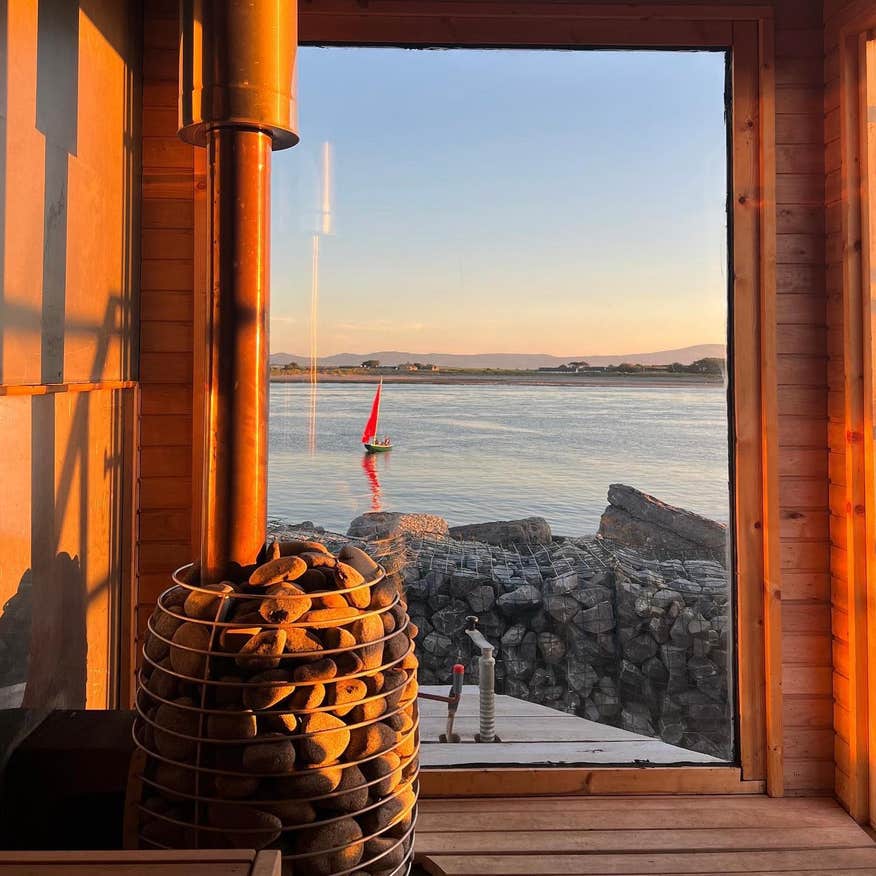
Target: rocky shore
[(633, 635)]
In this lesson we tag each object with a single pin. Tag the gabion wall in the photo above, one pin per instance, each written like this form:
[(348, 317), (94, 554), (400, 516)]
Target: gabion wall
[(587, 628)]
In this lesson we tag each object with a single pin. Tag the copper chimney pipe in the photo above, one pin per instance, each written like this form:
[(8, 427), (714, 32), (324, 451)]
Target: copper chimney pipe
[(237, 60)]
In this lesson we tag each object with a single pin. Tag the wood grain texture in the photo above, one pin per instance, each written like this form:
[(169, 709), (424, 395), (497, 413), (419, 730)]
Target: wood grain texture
[(851, 470), (583, 781), (142, 863), (774, 340), (628, 836), (166, 316), (802, 365), (747, 398), (68, 275), (867, 62)]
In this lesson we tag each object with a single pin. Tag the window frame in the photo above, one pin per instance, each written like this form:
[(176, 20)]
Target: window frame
[(854, 289), (746, 32)]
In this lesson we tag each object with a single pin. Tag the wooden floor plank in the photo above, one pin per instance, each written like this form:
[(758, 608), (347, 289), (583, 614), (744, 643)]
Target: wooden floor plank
[(559, 841), (632, 818), (535, 734), (468, 713), (832, 871), (565, 728), (469, 704), (590, 781), (641, 836), (506, 707), (810, 862), (164, 862), (678, 803), (858, 871), (651, 751), (148, 856), (152, 869)]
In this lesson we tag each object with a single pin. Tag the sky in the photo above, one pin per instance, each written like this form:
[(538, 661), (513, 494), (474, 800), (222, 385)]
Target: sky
[(560, 202)]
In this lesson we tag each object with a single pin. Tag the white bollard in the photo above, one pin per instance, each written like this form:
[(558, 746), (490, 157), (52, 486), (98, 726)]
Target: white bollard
[(486, 684)]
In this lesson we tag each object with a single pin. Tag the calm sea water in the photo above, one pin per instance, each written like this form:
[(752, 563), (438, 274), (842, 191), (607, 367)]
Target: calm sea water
[(478, 453)]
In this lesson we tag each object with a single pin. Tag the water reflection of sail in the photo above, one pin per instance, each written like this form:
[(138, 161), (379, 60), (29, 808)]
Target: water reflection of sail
[(369, 466)]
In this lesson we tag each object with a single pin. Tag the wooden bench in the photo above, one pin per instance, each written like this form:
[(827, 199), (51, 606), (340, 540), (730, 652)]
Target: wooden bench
[(641, 836), (142, 863)]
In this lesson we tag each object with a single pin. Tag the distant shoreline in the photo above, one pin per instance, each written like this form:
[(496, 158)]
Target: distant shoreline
[(484, 379)]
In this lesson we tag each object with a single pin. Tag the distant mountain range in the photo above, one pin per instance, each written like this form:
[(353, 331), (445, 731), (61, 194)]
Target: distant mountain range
[(511, 361)]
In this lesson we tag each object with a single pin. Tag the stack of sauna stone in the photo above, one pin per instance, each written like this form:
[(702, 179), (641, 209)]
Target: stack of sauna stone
[(278, 709)]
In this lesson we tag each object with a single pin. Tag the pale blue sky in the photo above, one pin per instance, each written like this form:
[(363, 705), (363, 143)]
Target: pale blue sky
[(570, 203)]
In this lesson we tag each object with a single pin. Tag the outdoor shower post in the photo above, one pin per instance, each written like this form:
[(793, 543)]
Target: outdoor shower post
[(236, 99)]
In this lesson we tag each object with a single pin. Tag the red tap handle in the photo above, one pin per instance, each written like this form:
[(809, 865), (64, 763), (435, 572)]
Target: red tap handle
[(456, 683)]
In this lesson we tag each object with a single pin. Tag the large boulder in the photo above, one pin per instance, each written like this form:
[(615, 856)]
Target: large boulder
[(655, 529), (385, 524), (530, 530)]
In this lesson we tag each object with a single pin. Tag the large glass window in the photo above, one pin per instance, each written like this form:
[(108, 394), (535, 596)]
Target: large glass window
[(527, 253)]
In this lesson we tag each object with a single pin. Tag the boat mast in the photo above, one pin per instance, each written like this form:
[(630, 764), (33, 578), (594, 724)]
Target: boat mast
[(377, 418)]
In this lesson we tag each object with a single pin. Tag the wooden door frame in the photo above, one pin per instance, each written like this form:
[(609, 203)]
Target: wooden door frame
[(867, 94), (746, 31), (854, 33)]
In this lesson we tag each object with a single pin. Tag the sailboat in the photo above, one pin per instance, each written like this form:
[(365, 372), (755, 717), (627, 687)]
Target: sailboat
[(372, 443)]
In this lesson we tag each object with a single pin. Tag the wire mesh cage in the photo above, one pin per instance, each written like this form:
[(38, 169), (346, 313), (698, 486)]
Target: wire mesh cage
[(277, 709)]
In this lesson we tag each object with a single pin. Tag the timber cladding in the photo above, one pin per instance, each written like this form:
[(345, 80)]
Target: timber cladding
[(801, 339), (795, 604), (850, 371), (167, 332), (69, 159)]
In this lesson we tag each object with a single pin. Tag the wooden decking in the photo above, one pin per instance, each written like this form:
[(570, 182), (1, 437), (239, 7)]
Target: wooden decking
[(534, 734), (658, 836)]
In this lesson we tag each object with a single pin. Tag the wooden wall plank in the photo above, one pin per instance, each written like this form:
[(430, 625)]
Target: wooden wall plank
[(751, 562), (850, 402), (68, 284), (774, 340), (867, 60), (166, 327), (802, 373)]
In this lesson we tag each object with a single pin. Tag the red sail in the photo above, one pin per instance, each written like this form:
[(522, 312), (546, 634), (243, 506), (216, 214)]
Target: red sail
[(371, 425)]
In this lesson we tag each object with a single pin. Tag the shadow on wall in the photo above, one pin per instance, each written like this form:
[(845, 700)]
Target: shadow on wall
[(15, 637), (43, 662), (66, 547), (55, 645), (65, 456), (74, 497)]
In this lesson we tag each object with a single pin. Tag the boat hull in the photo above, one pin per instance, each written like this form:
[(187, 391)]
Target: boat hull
[(377, 448)]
